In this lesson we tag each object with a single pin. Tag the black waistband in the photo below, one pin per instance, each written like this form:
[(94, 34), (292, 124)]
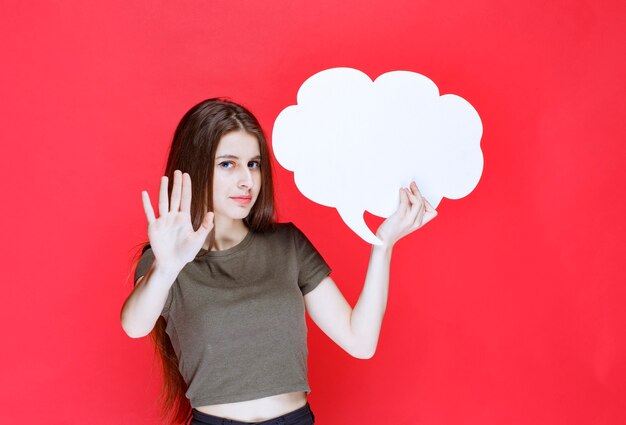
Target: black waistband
[(217, 420)]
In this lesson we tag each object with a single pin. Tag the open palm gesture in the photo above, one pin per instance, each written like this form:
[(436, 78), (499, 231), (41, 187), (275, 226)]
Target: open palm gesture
[(172, 238)]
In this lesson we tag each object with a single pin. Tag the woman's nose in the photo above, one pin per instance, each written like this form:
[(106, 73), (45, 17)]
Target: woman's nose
[(245, 180)]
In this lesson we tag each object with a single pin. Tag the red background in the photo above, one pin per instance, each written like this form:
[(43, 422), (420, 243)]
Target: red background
[(506, 309)]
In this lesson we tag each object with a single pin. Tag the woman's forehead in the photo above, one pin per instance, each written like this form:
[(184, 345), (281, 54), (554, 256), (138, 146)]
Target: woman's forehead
[(238, 144)]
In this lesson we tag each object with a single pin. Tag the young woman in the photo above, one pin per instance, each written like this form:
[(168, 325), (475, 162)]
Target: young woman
[(222, 288)]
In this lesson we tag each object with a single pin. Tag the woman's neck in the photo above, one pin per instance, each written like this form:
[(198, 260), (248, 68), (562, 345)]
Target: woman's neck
[(228, 233)]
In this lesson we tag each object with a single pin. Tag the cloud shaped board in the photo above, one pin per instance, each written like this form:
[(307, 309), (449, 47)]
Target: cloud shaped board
[(352, 142)]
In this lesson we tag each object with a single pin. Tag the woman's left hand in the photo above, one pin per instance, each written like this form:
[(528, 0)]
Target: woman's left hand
[(414, 211)]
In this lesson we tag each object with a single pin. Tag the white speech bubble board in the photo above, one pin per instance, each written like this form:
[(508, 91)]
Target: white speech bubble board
[(352, 143)]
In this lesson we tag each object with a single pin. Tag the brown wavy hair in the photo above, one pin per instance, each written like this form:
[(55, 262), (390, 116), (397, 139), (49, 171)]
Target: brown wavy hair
[(192, 151)]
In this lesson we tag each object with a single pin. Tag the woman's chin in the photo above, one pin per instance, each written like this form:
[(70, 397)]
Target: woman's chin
[(239, 215), (235, 214)]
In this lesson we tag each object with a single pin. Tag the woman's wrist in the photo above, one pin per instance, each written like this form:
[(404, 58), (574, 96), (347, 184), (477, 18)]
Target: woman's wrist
[(166, 272), (385, 247)]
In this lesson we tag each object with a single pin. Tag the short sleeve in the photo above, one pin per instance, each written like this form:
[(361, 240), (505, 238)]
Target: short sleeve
[(145, 262), (312, 268)]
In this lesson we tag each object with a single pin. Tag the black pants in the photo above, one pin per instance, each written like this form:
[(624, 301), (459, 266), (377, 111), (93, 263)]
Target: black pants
[(302, 416)]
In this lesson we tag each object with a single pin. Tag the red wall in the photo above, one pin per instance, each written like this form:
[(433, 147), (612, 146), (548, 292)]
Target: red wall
[(506, 309)]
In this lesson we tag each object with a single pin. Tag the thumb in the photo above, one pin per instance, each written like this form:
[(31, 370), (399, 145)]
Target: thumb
[(207, 223), (429, 207), (430, 215)]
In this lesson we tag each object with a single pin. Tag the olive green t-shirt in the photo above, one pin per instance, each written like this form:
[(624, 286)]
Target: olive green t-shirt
[(236, 317)]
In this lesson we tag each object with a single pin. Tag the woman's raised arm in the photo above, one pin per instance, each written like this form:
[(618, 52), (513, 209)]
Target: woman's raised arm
[(174, 244), (357, 330), (367, 316)]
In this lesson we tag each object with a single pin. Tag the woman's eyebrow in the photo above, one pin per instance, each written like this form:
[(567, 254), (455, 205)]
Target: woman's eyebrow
[(236, 157)]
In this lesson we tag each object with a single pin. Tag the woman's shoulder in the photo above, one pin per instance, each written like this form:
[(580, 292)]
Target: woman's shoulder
[(279, 232), (281, 228), (288, 232), (286, 226)]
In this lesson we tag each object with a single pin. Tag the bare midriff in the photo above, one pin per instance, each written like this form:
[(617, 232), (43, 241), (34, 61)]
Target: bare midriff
[(257, 410)]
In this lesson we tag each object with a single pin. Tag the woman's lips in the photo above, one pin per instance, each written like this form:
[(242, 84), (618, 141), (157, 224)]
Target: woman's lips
[(243, 200)]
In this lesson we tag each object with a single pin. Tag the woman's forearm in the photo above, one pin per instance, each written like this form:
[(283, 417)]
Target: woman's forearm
[(367, 315), (145, 303)]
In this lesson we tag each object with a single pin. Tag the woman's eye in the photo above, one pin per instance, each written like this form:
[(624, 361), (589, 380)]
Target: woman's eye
[(225, 164), (254, 164)]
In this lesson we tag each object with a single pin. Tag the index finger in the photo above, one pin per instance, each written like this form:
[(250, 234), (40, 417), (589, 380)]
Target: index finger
[(414, 185)]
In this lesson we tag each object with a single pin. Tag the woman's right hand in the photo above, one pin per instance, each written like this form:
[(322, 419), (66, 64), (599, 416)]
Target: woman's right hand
[(172, 238)]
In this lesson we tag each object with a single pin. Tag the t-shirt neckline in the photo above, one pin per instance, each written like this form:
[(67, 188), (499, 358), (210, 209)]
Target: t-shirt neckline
[(232, 250)]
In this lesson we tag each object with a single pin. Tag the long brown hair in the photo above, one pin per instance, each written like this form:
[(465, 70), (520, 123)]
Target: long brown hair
[(193, 151)]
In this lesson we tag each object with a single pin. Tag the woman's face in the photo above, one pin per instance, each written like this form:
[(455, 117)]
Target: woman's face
[(237, 175)]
